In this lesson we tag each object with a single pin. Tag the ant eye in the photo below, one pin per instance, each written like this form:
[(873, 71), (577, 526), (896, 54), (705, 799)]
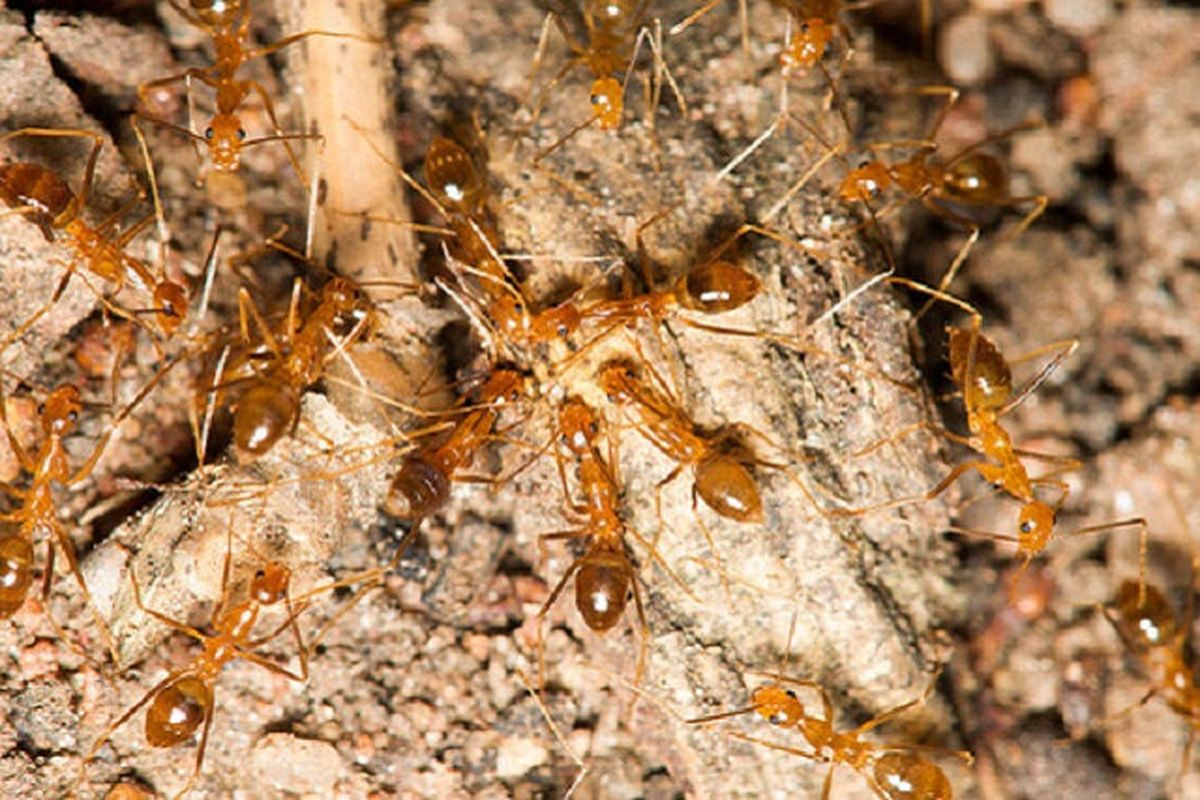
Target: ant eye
[(209, 133), (241, 135), (562, 329), (1026, 526), (260, 573), (41, 409), (73, 416), (790, 694)]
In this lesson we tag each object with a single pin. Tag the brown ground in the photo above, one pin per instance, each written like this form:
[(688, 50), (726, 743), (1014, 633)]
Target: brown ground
[(417, 692)]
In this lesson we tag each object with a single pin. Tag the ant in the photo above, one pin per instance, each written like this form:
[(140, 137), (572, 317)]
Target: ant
[(289, 360), (604, 576), (722, 480), (48, 202), (984, 379), (183, 701), (422, 486), (38, 514), (893, 770), (228, 25), (1149, 629), (947, 186), (611, 25)]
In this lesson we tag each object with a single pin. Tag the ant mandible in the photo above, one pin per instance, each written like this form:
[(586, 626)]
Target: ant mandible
[(55, 208)]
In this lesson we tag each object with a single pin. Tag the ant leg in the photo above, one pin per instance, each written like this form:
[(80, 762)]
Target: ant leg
[(545, 610), (658, 489), (892, 713), (691, 19), (64, 542), (187, 14), (827, 786), (158, 615), (815, 756), (98, 450), (208, 718), (1062, 350), (575, 61), (268, 664), (1143, 545), (193, 73), (291, 39), (280, 136), (247, 312), (908, 430)]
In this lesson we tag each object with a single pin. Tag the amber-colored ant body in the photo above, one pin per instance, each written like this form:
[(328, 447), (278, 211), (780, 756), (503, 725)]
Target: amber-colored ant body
[(611, 27), (984, 379), (183, 702), (422, 486), (968, 178), (893, 770), (228, 25), (56, 209), (604, 575), (1148, 626), (38, 515), (289, 360), (722, 479)]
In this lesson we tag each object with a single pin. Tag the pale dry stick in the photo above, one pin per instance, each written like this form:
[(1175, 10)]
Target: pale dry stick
[(339, 84)]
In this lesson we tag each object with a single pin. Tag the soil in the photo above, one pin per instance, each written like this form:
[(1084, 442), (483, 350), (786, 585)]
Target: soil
[(425, 687)]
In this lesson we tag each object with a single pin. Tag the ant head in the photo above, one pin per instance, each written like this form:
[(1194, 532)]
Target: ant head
[(452, 176), (777, 705), (577, 425), (725, 484), (510, 316), (809, 44), (608, 103), (177, 711), (16, 573), (60, 412), (270, 583), (977, 178), (224, 137), (560, 321), (716, 287), (1148, 624), (601, 591), (617, 379), (865, 182), (1035, 526), (170, 305)]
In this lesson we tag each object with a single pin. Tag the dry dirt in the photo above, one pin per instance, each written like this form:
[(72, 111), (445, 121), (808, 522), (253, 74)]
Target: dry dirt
[(419, 690)]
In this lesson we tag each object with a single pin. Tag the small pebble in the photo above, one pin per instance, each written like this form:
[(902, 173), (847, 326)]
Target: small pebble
[(300, 766), (966, 51)]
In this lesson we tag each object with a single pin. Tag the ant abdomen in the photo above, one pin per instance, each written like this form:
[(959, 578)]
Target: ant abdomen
[(16, 573), (265, 413), (715, 287), (904, 776), (991, 379), (977, 178), (38, 188), (177, 711), (452, 176), (1146, 622), (601, 591), (419, 489), (727, 487)]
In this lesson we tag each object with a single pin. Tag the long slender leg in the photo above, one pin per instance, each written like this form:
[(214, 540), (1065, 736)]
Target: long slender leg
[(64, 542)]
